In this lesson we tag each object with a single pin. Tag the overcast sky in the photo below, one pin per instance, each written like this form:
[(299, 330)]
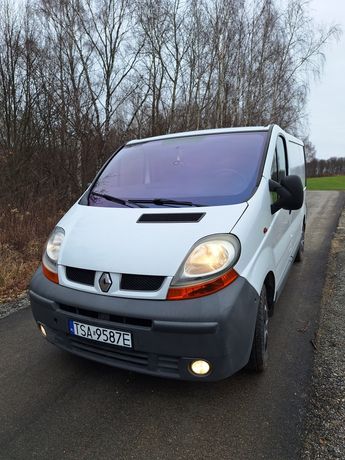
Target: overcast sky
[(326, 106)]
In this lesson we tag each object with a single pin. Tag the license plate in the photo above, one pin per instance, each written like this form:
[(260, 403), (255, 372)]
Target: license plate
[(100, 334)]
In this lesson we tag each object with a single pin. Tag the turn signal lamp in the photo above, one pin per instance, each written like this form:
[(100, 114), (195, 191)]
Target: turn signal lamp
[(205, 288), (52, 276)]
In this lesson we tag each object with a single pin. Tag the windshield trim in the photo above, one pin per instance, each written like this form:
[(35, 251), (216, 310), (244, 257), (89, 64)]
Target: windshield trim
[(204, 132)]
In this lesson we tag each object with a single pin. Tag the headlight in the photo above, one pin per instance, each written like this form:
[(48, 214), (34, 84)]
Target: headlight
[(210, 256), (207, 267), (51, 253)]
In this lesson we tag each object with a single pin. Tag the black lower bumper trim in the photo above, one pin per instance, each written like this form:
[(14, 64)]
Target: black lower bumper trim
[(167, 335), (184, 327)]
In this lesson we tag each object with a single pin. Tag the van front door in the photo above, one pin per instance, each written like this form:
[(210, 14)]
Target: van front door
[(281, 220)]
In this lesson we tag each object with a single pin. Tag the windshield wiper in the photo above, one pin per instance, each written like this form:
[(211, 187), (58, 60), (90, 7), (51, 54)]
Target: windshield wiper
[(156, 201), (114, 199), (166, 201)]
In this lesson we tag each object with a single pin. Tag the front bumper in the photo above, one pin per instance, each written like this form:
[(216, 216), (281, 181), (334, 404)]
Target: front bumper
[(167, 335)]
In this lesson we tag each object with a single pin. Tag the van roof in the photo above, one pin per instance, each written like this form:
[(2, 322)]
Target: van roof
[(201, 132)]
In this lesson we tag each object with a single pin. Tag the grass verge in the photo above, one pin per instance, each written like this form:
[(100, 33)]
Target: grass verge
[(326, 183)]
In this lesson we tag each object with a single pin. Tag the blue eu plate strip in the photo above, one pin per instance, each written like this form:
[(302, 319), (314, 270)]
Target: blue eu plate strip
[(70, 325)]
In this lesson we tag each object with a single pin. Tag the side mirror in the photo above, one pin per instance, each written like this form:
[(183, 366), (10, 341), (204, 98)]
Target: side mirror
[(290, 192)]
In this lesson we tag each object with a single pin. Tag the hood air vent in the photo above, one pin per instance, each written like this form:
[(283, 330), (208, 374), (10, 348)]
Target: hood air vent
[(171, 217)]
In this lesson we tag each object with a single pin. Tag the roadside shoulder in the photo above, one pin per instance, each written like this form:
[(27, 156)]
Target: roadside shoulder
[(325, 424)]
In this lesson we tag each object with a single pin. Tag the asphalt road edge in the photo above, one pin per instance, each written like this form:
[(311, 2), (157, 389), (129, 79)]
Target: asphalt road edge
[(324, 436)]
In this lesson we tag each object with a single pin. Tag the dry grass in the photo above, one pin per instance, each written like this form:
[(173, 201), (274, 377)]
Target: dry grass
[(23, 233)]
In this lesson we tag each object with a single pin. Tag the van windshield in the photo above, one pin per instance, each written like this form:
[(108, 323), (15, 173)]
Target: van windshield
[(201, 170)]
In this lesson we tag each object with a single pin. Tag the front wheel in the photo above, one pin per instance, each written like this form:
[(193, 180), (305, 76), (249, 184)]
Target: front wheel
[(259, 355)]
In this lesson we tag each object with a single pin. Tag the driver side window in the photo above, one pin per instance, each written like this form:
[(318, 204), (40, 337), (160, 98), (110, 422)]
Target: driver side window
[(279, 168), (279, 165), (274, 168), (281, 159)]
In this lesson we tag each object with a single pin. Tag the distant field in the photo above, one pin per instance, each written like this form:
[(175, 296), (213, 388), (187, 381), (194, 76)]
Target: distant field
[(326, 183)]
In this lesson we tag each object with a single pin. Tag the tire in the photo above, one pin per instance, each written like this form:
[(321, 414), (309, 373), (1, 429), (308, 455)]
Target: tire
[(300, 253), (259, 354)]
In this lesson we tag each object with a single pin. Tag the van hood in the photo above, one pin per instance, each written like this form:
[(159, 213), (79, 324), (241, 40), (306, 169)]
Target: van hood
[(112, 239)]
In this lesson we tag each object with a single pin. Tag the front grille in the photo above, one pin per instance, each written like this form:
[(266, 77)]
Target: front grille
[(107, 317), (80, 275), (115, 356), (128, 282), (109, 351), (141, 282)]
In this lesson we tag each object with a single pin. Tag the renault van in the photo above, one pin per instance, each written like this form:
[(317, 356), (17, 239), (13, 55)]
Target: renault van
[(171, 262)]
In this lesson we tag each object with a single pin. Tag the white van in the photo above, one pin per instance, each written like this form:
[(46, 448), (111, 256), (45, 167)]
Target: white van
[(172, 260)]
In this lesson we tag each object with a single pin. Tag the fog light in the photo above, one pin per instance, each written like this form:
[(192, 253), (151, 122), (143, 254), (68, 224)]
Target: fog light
[(43, 330), (200, 367)]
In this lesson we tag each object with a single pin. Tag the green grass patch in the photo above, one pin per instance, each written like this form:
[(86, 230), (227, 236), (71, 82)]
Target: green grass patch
[(326, 183)]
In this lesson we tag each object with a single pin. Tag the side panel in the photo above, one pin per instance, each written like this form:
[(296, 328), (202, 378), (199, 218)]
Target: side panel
[(258, 235), (270, 241)]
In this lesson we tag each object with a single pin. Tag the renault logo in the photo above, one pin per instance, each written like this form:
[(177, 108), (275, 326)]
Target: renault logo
[(105, 282)]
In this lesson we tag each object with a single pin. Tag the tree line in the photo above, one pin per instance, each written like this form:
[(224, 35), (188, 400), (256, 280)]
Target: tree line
[(331, 167), (80, 77)]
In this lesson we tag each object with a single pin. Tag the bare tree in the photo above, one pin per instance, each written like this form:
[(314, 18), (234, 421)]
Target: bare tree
[(310, 150), (79, 77)]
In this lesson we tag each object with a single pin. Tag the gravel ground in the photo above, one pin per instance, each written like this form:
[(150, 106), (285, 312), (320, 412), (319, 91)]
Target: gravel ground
[(325, 425), (9, 307)]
